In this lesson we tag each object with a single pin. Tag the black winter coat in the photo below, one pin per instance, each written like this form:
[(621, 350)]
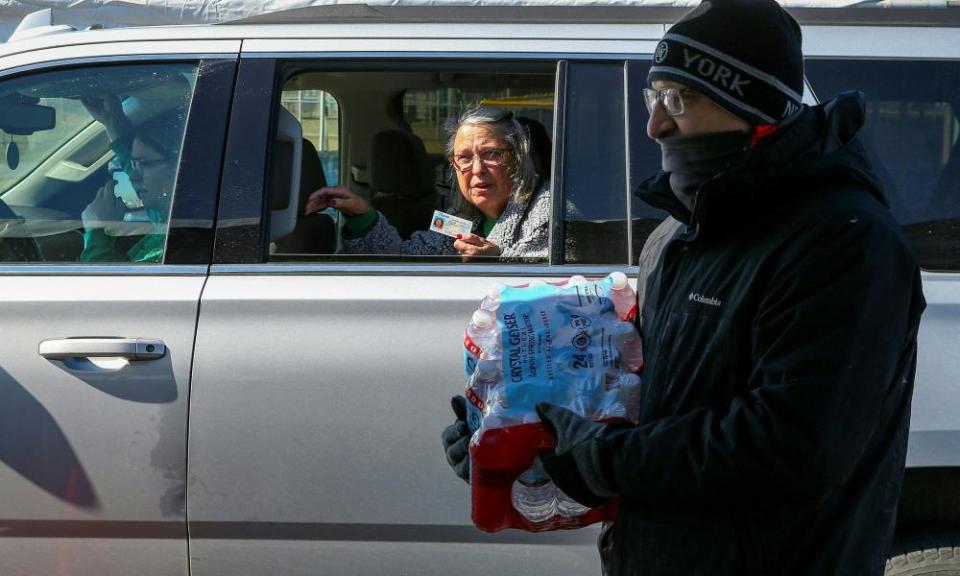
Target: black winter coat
[(780, 340)]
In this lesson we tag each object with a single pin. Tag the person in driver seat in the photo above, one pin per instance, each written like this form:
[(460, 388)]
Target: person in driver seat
[(148, 155)]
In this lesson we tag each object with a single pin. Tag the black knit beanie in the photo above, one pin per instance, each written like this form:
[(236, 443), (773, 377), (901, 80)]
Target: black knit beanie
[(743, 54)]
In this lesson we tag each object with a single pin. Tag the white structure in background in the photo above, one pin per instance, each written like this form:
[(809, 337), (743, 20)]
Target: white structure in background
[(110, 13)]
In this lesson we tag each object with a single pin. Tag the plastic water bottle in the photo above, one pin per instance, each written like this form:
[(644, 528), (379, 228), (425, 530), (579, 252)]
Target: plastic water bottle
[(611, 403), (482, 338), (568, 507), (483, 388), (623, 296), (621, 400), (491, 301), (582, 402), (576, 279), (630, 345), (534, 495)]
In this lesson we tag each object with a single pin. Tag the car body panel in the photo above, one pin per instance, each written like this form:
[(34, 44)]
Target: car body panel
[(318, 432), (934, 434), (94, 465)]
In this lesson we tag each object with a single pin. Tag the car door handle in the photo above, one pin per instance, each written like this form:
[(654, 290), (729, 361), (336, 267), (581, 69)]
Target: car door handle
[(133, 349)]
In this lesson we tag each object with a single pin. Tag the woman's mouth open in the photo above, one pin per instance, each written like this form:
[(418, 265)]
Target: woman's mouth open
[(482, 187)]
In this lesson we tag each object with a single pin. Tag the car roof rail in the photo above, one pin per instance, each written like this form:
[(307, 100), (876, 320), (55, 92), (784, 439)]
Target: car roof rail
[(845, 12), (39, 23)]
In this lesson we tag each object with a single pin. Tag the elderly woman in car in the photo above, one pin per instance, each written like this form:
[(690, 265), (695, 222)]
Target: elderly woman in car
[(500, 192)]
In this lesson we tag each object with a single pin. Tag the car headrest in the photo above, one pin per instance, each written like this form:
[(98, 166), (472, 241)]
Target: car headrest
[(285, 177), (312, 177), (398, 164)]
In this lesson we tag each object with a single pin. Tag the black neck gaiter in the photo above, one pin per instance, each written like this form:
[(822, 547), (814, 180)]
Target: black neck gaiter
[(692, 160)]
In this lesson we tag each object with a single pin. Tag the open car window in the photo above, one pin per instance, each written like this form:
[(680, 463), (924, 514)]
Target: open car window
[(381, 135)]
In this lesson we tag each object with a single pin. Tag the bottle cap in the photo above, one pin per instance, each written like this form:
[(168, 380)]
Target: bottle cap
[(495, 291), (484, 319), (619, 280)]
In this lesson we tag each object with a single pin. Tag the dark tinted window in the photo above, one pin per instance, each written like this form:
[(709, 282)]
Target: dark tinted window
[(911, 134), (594, 167), (644, 157)]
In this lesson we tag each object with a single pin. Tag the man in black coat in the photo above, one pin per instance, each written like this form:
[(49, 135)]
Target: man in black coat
[(779, 325)]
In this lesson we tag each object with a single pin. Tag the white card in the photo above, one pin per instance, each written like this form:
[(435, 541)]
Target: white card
[(449, 225)]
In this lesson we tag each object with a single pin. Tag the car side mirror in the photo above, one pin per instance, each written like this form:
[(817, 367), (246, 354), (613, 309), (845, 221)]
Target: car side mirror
[(24, 119)]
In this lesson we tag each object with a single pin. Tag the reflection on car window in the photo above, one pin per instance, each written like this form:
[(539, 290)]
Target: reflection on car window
[(369, 149), (912, 131), (644, 158), (319, 115), (94, 162)]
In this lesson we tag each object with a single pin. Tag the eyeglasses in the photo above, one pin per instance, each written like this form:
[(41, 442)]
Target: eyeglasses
[(490, 158), (138, 164), (671, 98)]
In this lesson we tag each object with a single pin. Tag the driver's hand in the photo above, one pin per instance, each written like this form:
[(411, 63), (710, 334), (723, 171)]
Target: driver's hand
[(108, 110), (105, 211)]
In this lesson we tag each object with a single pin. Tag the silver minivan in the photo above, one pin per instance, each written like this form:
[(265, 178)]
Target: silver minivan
[(218, 389)]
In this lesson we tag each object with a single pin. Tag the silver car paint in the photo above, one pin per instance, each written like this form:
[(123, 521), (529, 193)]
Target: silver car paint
[(317, 406), (93, 470)]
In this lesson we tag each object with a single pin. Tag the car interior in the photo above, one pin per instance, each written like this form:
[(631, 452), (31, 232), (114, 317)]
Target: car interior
[(382, 132), (65, 156)]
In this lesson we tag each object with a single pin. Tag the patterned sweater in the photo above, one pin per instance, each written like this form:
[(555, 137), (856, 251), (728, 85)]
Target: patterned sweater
[(522, 231)]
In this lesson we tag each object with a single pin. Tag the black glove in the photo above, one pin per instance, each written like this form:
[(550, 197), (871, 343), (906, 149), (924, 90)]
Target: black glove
[(456, 440), (578, 462)]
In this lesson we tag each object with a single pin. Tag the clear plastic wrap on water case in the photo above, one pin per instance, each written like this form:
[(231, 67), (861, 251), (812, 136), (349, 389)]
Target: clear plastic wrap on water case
[(569, 343)]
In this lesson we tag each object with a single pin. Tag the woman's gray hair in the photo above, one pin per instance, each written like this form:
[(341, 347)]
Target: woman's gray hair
[(522, 171)]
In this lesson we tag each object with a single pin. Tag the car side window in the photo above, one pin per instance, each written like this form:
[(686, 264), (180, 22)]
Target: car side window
[(90, 162), (605, 128), (912, 135), (644, 158), (594, 165), (367, 176)]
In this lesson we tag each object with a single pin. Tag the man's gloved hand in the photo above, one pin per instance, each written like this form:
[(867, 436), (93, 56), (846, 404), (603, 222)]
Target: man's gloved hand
[(456, 440), (577, 465)]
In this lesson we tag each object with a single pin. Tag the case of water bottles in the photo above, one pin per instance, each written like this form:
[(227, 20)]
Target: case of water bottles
[(571, 343)]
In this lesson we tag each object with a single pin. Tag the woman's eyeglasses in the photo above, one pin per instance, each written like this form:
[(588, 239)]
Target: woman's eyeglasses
[(491, 158), (671, 98)]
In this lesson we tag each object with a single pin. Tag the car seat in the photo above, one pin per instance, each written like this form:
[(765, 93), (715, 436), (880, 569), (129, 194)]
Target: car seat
[(313, 233), (401, 180)]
